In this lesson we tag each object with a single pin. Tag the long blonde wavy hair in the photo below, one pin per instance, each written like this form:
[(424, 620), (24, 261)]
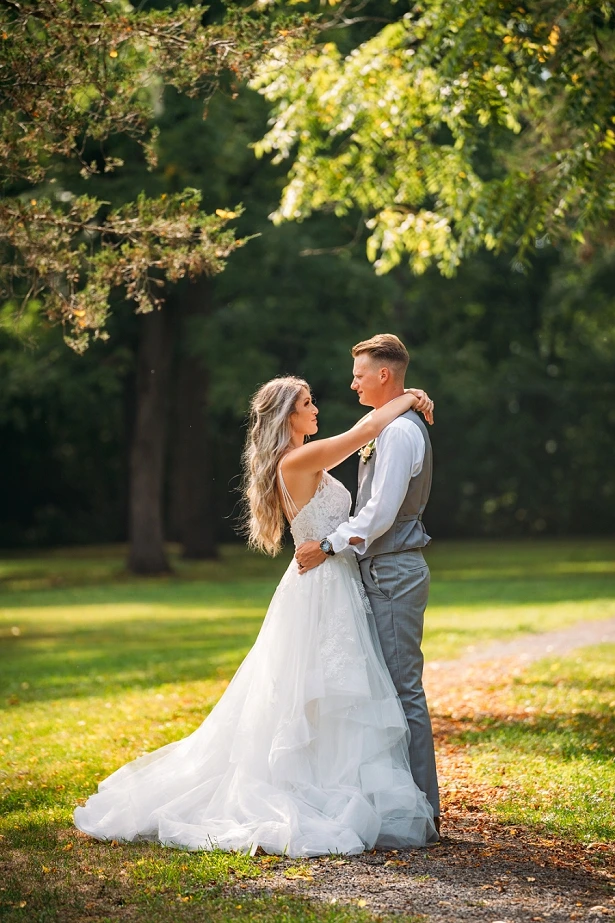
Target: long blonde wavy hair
[(269, 435)]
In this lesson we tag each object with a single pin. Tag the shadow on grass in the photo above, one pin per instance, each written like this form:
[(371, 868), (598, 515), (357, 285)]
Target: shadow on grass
[(565, 736), (171, 591), (488, 590), (30, 575), (555, 773), (38, 834), (128, 655)]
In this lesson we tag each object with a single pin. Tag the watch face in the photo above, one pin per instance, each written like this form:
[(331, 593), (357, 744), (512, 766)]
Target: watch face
[(326, 545)]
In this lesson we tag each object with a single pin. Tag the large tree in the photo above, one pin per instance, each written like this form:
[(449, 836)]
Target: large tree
[(456, 126)]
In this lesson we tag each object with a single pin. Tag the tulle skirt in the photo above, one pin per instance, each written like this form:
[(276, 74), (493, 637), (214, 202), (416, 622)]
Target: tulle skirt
[(305, 754)]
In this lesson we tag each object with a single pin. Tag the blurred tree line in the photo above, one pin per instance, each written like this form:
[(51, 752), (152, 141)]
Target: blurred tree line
[(140, 437)]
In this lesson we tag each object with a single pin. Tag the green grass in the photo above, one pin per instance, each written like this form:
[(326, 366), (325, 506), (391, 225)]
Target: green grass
[(553, 758), (74, 880), (97, 666)]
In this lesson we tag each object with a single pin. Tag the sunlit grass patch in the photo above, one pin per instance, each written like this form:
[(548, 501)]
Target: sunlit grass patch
[(552, 761), (187, 873), (54, 752)]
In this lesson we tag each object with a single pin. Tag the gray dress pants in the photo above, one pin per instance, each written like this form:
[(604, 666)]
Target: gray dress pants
[(397, 586)]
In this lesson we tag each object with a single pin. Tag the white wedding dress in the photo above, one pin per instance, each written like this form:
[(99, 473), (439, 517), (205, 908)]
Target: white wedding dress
[(305, 753)]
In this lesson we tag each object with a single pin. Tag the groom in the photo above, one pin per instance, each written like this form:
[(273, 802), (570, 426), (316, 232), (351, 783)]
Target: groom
[(388, 536)]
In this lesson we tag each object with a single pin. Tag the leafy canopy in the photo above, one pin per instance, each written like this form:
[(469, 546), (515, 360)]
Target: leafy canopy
[(74, 75), (458, 126)]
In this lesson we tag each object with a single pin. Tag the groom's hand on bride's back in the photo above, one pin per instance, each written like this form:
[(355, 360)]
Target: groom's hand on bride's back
[(309, 555), (424, 403)]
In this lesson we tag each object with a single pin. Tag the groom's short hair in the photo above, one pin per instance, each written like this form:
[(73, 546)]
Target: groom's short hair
[(385, 348)]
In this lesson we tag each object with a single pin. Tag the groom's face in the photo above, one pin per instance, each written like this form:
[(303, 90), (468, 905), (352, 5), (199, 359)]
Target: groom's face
[(367, 380)]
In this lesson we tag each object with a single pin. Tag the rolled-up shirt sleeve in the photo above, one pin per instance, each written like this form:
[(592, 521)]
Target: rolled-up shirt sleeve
[(400, 451)]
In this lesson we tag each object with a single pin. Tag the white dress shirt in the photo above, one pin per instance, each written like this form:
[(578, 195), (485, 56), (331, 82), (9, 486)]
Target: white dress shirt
[(399, 457)]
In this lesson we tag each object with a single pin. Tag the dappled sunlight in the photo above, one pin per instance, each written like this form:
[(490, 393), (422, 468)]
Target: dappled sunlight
[(535, 746)]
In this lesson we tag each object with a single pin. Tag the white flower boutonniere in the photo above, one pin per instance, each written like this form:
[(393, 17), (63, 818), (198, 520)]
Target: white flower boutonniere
[(367, 451)]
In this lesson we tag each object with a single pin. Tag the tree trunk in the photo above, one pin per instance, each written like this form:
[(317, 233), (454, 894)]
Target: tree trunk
[(147, 554), (191, 511)]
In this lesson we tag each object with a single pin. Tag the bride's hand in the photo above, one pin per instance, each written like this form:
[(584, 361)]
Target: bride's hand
[(424, 403)]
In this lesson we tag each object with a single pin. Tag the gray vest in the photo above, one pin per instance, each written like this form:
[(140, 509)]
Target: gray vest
[(408, 530)]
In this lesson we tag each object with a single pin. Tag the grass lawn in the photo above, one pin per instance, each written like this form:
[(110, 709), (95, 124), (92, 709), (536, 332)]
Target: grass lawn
[(97, 667), (547, 746)]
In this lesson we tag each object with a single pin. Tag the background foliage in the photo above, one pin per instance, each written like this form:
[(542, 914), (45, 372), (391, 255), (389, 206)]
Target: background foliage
[(518, 357)]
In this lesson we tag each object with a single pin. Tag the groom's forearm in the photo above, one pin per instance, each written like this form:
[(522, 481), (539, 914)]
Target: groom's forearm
[(309, 555)]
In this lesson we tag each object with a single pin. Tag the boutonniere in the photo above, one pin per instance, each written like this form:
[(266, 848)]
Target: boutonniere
[(367, 451)]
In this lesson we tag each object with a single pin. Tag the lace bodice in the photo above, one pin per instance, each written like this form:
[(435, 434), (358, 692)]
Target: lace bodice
[(329, 506)]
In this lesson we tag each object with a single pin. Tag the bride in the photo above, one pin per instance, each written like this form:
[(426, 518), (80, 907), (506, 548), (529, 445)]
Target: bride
[(305, 753)]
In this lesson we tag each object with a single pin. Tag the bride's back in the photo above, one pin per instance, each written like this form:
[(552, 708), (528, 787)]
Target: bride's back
[(328, 506)]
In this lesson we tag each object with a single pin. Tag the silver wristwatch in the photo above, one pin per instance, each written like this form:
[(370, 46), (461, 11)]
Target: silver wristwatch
[(327, 547)]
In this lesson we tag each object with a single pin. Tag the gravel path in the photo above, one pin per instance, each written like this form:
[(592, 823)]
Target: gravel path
[(534, 647), (479, 873)]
